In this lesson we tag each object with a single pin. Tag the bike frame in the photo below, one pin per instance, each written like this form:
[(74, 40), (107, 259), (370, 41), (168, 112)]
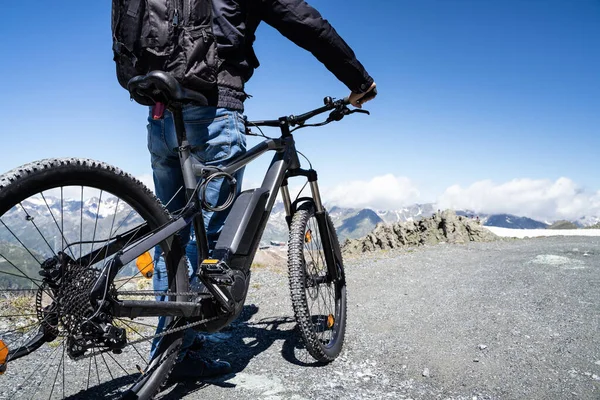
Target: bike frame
[(284, 165), (238, 240)]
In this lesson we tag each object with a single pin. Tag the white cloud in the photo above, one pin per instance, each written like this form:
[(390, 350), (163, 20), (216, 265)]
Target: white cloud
[(541, 199), (385, 192)]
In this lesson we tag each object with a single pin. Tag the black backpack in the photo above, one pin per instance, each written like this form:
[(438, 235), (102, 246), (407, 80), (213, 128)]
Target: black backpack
[(174, 36)]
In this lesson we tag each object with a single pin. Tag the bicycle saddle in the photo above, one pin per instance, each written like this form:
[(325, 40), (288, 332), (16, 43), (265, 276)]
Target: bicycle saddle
[(160, 86)]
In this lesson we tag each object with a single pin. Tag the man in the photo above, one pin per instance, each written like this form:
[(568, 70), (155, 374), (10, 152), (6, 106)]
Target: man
[(216, 132)]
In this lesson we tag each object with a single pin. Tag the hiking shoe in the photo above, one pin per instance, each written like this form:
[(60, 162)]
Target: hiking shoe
[(193, 366), (198, 343)]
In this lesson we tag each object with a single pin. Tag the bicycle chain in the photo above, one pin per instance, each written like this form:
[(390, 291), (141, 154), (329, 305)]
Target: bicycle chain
[(147, 338)]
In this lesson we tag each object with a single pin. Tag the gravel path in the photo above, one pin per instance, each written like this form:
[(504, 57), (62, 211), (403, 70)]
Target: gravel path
[(514, 319)]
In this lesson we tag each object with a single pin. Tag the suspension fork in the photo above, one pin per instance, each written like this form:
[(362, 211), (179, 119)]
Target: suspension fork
[(332, 258)]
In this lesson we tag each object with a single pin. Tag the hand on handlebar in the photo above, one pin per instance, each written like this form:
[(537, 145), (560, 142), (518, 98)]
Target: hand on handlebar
[(358, 99)]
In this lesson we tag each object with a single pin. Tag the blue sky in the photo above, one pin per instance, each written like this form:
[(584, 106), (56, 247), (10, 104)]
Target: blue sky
[(491, 105)]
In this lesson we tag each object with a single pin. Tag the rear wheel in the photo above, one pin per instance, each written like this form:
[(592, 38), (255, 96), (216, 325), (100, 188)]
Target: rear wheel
[(57, 218), (319, 302)]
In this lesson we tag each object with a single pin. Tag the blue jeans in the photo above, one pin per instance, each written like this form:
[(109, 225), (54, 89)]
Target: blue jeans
[(215, 136)]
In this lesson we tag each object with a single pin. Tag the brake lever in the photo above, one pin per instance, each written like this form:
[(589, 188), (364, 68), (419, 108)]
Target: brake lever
[(338, 114)]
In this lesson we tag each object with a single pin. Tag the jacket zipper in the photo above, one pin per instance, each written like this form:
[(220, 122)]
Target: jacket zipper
[(178, 6)]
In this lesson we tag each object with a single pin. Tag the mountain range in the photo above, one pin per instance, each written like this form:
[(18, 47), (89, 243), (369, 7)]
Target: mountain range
[(350, 223)]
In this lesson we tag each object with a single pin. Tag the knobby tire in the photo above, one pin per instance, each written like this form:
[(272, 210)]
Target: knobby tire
[(319, 308), (33, 228)]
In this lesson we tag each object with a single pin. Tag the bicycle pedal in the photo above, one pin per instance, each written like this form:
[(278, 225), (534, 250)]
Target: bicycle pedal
[(217, 272)]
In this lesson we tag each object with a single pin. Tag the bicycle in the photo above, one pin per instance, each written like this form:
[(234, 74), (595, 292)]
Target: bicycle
[(70, 293)]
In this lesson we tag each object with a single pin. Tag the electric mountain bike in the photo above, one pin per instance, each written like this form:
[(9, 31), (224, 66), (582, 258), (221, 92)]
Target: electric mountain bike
[(78, 313)]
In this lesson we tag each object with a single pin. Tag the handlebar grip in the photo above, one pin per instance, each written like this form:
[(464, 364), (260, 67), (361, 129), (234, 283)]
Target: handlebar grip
[(369, 95)]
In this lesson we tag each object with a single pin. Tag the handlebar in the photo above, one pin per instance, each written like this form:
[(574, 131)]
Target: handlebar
[(338, 107), (329, 105)]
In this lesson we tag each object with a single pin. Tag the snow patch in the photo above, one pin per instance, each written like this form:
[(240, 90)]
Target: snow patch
[(524, 233), (551, 259), (266, 386)]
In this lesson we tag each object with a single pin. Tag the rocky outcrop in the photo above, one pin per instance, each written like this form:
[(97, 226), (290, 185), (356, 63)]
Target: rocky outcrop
[(563, 225), (441, 227)]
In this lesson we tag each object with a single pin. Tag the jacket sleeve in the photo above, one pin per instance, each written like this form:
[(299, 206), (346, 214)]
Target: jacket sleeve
[(303, 25)]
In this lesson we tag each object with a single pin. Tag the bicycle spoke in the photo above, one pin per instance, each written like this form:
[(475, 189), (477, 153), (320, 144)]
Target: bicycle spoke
[(126, 244), (141, 356), (116, 362), (96, 364), (112, 225), (136, 275), (107, 367), (135, 330), (47, 363), (87, 386), (63, 374), (62, 222), (96, 221), (18, 315), (30, 219), (21, 243), (56, 223), (19, 276), (37, 323), (56, 376), (23, 275), (124, 220), (81, 224), (76, 220)]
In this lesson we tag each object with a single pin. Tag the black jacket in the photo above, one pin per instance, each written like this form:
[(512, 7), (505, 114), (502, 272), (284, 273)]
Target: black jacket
[(235, 23)]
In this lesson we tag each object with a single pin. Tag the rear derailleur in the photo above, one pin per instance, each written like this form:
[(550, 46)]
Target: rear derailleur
[(97, 332)]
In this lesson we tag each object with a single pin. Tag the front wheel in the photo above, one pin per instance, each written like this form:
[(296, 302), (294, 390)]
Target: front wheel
[(319, 302)]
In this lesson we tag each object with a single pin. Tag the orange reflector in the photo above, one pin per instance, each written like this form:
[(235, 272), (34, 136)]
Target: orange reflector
[(308, 236), (210, 261), (330, 321), (3, 356), (145, 264)]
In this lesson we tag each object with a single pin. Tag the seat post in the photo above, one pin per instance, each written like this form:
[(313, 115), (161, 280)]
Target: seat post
[(189, 178), (179, 124), (185, 155)]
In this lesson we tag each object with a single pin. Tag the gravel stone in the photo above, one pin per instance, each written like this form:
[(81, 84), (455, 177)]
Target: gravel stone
[(458, 295)]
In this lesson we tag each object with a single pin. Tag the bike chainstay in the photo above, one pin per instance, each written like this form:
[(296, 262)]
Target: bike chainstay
[(157, 293), (161, 334)]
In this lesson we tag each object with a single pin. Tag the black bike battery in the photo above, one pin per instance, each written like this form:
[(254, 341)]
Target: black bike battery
[(242, 224)]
